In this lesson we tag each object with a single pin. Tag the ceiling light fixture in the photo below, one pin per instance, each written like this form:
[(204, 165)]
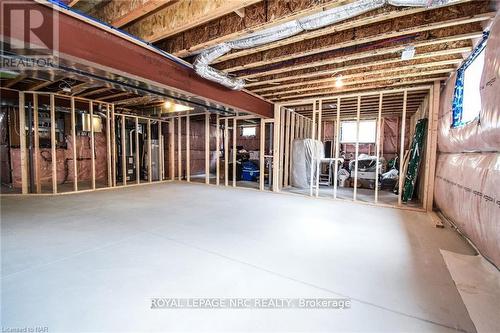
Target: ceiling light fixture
[(339, 83)]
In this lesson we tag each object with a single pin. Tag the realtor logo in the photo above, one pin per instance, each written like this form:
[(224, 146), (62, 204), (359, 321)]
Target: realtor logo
[(29, 34)]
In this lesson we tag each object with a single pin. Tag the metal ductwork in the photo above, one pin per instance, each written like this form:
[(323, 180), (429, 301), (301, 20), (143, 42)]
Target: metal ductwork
[(291, 28)]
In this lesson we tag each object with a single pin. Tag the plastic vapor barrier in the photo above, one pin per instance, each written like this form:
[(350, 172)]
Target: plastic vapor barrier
[(467, 188), (303, 151)]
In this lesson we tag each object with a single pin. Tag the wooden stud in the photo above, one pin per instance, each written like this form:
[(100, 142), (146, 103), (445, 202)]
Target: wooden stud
[(22, 143), (235, 130), (124, 152), (113, 144), (226, 152), (402, 150), (38, 182), (433, 126), (179, 148), (281, 154), (276, 148), (287, 147), (313, 129), (188, 149), (293, 136), (262, 154), (53, 141), (318, 163), (356, 155), (217, 150), (161, 152), (73, 142), (108, 147), (207, 148), (377, 145), (337, 148), (92, 143), (137, 153), (150, 151), (171, 148)]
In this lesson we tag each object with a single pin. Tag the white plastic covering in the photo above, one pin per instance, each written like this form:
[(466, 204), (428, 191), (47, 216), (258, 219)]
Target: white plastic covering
[(291, 28), (303, 152)]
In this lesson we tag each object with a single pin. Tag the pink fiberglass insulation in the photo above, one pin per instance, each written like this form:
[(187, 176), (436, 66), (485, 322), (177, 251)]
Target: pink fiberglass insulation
[(468, 169)]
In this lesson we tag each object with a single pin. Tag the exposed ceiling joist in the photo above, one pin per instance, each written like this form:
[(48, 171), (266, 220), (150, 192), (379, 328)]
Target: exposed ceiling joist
[(379, 15), (362, 88), (361, 75), (260, 16), (183, 15), (329, 44), (364, 54), (14, 81), (361, 81), (94, 92), (119, 13), (364, 64)]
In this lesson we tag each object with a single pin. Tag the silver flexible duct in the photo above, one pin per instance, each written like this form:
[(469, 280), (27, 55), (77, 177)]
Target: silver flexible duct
[(291, 28)]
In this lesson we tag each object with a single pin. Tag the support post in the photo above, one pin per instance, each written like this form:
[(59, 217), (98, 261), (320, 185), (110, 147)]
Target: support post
[(311, 179), (53, 142), (432, 146), (150, 150), (235, 122), (337, 148), (402, 150), (207, 148), (38, 183), (377, 144), (92, 143), (188, 149), (262, 153), (113, 144), (137, 155), (124, 151), (217, 151), (108, 147), (22, 143), (226, 152), (318, 162), (287, 148), (73, 141), (171, 148), (161, 159), (355, 190), (179, 149), (276, 147)]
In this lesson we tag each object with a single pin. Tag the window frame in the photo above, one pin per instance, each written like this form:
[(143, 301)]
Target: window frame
[(249, 136), (360, 121), (458, 93)]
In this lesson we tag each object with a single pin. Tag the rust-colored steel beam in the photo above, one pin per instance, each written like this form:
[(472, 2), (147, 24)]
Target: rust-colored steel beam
[(84, 42)]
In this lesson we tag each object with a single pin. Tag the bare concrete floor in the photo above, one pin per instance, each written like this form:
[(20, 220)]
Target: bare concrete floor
[(92, 261)]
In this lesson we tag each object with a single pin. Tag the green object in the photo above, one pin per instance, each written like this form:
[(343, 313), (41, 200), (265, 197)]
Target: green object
[(417, 146)]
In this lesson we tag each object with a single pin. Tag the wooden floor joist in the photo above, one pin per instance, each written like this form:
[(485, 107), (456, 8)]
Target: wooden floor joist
[(336, 71), (379, 15), (314, 48)]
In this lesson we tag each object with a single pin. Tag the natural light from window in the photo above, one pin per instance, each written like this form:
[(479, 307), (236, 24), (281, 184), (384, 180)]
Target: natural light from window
[(249, 131), (367, 131), (472, 97)]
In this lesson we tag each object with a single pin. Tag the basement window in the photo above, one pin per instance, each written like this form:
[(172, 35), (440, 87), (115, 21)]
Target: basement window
[(367, 131), (249, 131), (467, 95)]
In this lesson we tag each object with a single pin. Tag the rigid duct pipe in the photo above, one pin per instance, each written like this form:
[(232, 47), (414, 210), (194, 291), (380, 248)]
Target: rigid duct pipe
[(291, 28)]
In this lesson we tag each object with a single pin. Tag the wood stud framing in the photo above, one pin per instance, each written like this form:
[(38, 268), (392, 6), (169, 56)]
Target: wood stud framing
[(207, 148), (92, 144)]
